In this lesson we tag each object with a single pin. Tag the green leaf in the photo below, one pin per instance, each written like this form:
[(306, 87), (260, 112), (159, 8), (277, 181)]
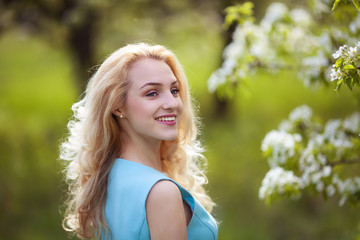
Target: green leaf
[(348, 82), (229, 19), (356, 3), (238, 14), (338, 84), (335, 4), (349, 67), (339, 62), (356, 80), (347, 62)]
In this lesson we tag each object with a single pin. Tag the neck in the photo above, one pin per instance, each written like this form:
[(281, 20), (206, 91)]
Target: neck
[(141, 150)]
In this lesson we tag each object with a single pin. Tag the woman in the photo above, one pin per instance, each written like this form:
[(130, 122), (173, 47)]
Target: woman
[(133, 158)]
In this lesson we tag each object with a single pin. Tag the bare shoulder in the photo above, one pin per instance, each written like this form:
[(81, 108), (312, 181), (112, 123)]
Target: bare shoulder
[(165, 211), (164, 190)]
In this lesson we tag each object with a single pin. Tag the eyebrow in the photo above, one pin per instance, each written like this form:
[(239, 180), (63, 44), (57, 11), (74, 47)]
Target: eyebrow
[(157, 84)]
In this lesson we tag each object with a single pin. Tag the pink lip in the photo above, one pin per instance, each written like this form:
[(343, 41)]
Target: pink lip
[(170, 123)]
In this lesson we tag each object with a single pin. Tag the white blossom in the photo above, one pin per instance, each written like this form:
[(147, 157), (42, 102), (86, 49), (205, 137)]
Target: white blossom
[(285, 126), (216, 79), (322, 159), (314, 170), (275, 12), (295, 37), (336, 136), (316, 61), (316, 176), (321, 6), (282, 145), (331, 128), (258, 40), (347, 187), (320, 186), (330, 190), (313, 167), (276, 180), (260, 48), (335, 74), (354, 26), (275, 138), (352, 123), (242, 73), (325, 41), (248, 29), (352, 52), (336, 180), (326, 171), (302, 113), (340, 53), (228, 66), (301, 17), (237, 47), (341, 141)]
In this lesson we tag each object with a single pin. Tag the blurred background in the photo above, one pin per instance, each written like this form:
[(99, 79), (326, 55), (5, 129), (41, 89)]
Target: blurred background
[(47, 52)]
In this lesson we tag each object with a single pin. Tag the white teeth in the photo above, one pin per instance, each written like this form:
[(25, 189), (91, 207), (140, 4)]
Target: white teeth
[(166, 119)]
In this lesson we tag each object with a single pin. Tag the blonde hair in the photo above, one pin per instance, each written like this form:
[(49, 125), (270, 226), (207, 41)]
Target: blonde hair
[(93, 142)]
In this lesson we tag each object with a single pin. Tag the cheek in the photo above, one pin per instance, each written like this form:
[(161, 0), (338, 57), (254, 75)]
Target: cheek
[(135, 108)]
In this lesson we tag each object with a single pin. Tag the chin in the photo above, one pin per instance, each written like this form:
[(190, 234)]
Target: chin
[(169, 137)]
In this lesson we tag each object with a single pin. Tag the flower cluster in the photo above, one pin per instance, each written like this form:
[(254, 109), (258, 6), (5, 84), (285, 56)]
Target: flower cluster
[(282, 146), (253, 44), (345, 69), (279, 182), (304, 154), (288, 39)]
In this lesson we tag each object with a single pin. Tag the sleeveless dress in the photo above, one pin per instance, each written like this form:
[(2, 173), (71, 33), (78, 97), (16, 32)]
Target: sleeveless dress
[(128, 187)]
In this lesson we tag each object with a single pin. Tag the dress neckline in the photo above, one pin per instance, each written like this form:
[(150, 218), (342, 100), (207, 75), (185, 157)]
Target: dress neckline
[(141, 164)]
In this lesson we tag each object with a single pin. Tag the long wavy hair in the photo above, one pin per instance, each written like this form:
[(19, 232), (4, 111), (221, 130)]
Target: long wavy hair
[(93, 141)]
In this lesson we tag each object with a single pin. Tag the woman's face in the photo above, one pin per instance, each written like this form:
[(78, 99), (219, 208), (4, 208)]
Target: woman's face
[(153, 105)]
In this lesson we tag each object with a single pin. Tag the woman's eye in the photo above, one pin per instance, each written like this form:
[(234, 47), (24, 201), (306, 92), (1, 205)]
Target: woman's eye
[(151, 94), (175, 91)]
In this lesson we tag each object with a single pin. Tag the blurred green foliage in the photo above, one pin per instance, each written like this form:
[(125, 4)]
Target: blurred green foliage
[(38, 87), (35, 98), (356, 4)]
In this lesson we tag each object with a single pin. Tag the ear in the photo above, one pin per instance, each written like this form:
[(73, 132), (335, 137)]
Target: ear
[(118, 112)]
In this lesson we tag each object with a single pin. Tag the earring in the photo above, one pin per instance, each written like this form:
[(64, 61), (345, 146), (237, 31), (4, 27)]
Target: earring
[(121, 116)]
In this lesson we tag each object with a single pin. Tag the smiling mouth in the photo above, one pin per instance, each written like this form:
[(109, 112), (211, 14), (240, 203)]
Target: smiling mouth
[(166, 119)]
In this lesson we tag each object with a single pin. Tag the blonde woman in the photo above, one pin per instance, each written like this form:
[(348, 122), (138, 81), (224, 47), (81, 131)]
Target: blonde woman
[(133, 161)]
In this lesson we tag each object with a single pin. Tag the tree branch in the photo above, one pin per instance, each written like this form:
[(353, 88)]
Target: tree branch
[(345, 161)]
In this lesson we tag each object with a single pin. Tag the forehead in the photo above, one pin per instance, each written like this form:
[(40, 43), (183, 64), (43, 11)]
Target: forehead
[(150, 70)]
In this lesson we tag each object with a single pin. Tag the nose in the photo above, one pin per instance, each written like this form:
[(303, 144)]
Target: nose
[(170, 102)]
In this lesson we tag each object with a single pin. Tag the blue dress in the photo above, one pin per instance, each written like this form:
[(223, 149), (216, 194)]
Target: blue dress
[(129, 185)]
